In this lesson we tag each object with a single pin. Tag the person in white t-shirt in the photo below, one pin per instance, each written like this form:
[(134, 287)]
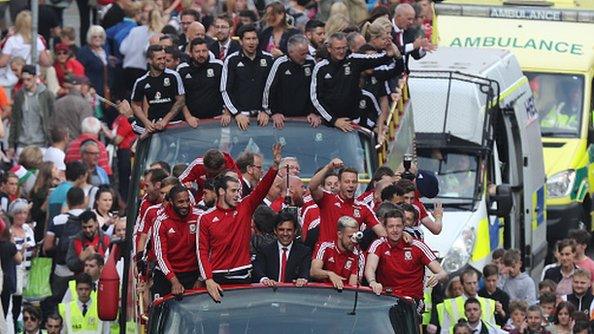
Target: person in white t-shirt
[(55, 153), (19, 44)]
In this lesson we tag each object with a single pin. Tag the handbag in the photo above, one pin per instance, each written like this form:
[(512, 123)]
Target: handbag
[(38, 285)]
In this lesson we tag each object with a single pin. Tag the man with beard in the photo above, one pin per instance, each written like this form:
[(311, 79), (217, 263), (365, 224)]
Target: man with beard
[(209, 166), (315, 32), (201, 80), (145, 255), (333, 206), (163, 90), (224, 44), (224, 232), (175, 245), (89, 241)]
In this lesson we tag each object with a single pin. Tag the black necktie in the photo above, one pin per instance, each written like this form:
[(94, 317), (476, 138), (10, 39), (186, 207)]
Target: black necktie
[(84, 310)]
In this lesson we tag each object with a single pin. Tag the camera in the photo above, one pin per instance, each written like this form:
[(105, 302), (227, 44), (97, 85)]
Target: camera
[(357, 236), (407, 163)]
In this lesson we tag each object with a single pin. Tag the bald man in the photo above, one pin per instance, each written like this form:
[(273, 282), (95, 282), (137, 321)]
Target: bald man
[(404, 36), (195, 29)]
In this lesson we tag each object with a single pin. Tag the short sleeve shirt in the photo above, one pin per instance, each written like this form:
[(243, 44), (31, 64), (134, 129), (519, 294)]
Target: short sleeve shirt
[(402, 266), (344, 264), (160, 92)]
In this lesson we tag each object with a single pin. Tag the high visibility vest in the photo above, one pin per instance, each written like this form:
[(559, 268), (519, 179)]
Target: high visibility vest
[(451, 310), (428, 306), (556, 119), (73, 294), (76, 323)]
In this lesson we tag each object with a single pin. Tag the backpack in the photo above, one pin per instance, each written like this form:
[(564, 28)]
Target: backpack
[(72, 259), (71, 228)]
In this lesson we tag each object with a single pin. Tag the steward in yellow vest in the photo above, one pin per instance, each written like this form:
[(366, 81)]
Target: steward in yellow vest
[(80, 315)]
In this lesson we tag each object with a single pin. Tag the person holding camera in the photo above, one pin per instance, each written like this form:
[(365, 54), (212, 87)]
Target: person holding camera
[(394, 263), (340, 261), (333, 206)]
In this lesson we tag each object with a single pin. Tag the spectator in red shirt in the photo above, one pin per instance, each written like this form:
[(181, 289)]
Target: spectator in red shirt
[(224, 232), (174, 236), (65, 64), (89, 241), (124, 137), (339, 262), (394, 263), (333, 206), (90, 127)]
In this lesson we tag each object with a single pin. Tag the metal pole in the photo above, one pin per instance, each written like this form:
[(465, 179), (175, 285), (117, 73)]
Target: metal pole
[(34, 25)]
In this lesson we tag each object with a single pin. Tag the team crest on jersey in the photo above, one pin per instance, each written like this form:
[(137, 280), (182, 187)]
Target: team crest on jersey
[(348, 264), (307, 71), (209, 73), (356, 213), (347, 70), (166, 82), (407, 255), (362, 104), (263, 62), (193, 228)]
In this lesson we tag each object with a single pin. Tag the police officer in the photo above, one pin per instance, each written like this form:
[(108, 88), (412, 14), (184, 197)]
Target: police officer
[(286, 93), (163, 90), (201, 79), (243, 79), (335, 81)]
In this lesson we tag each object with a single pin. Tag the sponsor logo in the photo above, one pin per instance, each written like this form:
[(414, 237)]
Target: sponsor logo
[(327, 76), (287, 72), (171, 231), (240, 64), (188, 76), (147, 86)]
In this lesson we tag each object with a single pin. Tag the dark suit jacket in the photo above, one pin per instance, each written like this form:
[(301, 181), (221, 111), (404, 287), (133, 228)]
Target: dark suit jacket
[(408, 36), (246, 189), (267, 263), (233, 46)]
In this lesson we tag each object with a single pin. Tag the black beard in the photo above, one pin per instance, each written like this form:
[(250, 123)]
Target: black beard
[(179, 213)]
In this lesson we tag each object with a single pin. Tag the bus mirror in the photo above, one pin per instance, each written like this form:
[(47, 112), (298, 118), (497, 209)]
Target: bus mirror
[(501, 202)]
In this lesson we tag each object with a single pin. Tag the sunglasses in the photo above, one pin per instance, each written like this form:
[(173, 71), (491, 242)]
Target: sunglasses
[(27, 318)]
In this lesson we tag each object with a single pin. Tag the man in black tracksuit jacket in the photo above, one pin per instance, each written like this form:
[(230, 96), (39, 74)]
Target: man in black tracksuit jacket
[(286, 93), (201, 77), (335, 82), (243, 79), (581, 296)]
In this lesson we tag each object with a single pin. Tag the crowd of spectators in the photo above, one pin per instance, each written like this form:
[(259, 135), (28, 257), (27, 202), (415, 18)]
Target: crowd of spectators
[(72, 112)]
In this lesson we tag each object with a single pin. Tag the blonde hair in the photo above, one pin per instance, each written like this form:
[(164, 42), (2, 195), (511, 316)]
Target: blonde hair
[(339, 8), (22, 25), (384, 22), (372, 30), (95, 30), (336, 23), (31, 157), (155, 23)]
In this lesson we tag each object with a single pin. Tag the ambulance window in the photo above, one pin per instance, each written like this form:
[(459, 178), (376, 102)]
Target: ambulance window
[(559, 101)]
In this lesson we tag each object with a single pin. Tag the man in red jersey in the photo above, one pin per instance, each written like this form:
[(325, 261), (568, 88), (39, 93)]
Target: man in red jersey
[(407, 191), (213, 163), (174, 236), (224, 232), (339, 261), (333, 206), (391, 262)]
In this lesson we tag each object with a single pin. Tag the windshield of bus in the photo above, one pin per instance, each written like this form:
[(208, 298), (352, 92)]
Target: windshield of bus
[(456, 173), (286, 310), (559, 100), (313, 147)]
